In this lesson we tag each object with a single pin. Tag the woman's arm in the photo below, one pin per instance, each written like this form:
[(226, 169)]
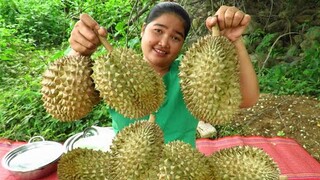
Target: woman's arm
[(248, 80)]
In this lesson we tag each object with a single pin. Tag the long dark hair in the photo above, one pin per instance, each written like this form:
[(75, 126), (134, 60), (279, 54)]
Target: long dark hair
[(170, 7)]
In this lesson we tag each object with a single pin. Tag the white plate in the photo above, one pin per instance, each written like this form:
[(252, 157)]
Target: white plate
[(97, 138)]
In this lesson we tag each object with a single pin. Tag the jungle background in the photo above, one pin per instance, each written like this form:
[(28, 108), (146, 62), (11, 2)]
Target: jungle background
[(283, 41)]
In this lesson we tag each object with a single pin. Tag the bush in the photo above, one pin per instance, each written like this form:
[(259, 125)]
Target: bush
[(300, 78), (122, 19), (43, 24)]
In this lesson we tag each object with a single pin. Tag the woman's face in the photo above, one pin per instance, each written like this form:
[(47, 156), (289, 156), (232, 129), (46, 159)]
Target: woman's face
[(162, 40)]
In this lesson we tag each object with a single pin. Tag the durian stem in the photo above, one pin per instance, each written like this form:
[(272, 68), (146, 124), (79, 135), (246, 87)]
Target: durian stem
[(104, 42), (152, 118), (215, 30)]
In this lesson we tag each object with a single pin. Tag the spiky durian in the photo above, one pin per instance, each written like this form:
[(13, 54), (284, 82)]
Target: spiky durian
[(209, 78), (84, 164), (128, 83), (181, 161), (136, 150), (68, 90), (243, 162)]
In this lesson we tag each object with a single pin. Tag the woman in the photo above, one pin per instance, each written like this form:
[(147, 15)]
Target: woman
[(162, 38)]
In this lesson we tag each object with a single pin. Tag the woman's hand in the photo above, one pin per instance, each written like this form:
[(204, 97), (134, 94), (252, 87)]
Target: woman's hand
[(84, 39), (232, 22)]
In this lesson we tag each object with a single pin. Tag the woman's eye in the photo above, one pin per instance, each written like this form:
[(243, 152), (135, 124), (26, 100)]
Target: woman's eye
[(176, 38), (158, 31)]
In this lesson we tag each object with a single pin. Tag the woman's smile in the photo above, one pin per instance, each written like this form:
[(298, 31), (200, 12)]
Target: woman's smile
[(160, 52)]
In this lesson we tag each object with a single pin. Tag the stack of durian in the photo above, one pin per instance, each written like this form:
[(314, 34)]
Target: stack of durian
[(138, 152)]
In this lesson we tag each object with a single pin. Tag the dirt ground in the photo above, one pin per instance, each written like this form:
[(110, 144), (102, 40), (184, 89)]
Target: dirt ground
[(296, 117)]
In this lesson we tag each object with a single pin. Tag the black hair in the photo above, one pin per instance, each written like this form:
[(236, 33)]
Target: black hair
[(170, 7)]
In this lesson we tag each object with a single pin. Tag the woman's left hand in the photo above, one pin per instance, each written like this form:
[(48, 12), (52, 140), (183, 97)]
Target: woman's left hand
[(232, 22)]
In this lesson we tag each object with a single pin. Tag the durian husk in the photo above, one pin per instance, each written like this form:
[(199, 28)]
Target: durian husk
[(181, 161), (84, 164), (136, 151), (128, 84), (68, 91), (243, 162), (209, 79)]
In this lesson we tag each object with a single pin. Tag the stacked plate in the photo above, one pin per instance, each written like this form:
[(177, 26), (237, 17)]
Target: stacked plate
[(95, 137)]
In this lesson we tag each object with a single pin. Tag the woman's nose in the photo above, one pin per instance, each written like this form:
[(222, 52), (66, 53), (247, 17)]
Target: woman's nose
[(164, 42)]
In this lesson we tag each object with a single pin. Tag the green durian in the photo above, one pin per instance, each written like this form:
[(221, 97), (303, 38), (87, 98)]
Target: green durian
[(181, 161), (84, 164), (68, 91), (209, 79), (136, 151), (128, 83), (243, 162)]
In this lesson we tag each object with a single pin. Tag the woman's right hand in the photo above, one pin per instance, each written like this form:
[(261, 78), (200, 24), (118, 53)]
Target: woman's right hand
[(83, 38)]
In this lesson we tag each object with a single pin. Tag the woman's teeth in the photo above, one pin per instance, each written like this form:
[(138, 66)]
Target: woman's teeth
[(160, 52)]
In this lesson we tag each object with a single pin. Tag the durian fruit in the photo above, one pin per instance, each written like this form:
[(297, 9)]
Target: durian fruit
[(136, 151), (181, 161), (127, 82), (84, 164), (243, 162), (209, 79), (68, 91)]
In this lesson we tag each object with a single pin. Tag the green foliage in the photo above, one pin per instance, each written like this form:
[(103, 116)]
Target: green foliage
[(260, 43), (49, 23), (280, 74), (266, 42), (253, 39), (301, 78), (10, 58), (40, 22), (11, 45), (9, 11), (121, 18), (229, 129)]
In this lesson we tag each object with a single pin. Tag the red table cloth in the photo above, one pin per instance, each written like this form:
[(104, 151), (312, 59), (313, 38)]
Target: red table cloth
[(293, 160)]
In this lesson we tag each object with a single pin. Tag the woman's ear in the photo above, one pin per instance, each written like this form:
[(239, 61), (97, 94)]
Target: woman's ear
[(143, 28)]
